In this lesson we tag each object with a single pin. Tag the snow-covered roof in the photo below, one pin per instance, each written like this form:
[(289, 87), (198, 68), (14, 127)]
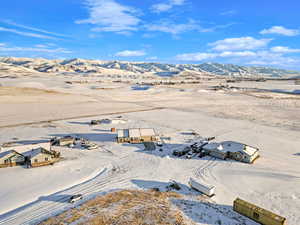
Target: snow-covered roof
[(147, 132), (136, 132), (34, 152), (4, 154), (230, 146), (250, 150), (123, 133), (211, 146)]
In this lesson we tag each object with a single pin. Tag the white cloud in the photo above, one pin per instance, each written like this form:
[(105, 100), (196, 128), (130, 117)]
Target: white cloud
[(266, 58), (34, 29), (281, 30), (242, 43), (28, 34), (41, 46), (199, 56), (167, 26), (2, 44), (152, 58), (283, 49), (128, 53), (237, 54), (34, 49), (228, 13), (163, 7), (110, 16)]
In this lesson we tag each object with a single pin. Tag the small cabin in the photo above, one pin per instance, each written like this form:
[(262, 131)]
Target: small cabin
[(11, 158), (136, 135), (257, 214)]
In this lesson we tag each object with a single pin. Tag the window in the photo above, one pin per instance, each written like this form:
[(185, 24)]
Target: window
[(35, 160), (256, 215), (46, 159), (6, 161)]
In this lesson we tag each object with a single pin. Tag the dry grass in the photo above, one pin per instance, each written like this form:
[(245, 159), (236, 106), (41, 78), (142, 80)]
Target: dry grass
[(128, 207), (273, 95), (15, 91)]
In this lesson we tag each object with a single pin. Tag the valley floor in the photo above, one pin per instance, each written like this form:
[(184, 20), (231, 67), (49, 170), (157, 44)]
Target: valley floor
[(272, 124)]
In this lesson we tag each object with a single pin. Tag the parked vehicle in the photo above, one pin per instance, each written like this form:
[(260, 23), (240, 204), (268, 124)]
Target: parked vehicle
[(159, 143), (75, 198), (206, 189)]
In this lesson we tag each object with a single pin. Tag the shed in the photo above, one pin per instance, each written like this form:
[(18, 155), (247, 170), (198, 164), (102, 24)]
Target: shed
[(11, 158), (136, 135), (257, 214)]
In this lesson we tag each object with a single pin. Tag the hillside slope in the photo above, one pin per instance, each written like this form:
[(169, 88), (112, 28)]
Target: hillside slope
[(134, 68)]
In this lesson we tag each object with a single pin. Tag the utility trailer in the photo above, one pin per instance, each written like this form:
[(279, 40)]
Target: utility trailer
[(206, 189)]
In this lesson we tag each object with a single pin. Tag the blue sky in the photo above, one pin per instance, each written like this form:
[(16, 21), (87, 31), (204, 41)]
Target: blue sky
[(256, 32)]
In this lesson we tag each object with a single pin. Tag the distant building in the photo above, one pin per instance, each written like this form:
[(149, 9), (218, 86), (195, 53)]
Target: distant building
[(41, 157), (63, 141), (11, 158), (233, 150), (136, 135)]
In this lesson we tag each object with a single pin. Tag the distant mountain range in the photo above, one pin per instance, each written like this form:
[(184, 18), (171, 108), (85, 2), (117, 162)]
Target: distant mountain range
[(136, 68)]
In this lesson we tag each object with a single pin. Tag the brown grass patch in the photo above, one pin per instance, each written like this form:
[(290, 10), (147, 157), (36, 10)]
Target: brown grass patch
[(127, 207)]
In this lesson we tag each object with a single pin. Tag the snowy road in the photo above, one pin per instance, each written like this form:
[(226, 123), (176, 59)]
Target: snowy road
[(114, 176)]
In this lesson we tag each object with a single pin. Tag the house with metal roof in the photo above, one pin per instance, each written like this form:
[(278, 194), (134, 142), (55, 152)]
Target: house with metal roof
[(233, 150), (136, 135)]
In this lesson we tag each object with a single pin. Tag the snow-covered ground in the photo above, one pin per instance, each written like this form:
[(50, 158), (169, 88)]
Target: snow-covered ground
[(273, 181)]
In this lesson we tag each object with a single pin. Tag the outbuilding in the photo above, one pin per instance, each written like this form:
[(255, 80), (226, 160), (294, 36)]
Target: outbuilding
[(136, 135), (257, 214)]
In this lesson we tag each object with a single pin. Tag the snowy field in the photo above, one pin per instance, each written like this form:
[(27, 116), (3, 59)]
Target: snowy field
[(273, 181)]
